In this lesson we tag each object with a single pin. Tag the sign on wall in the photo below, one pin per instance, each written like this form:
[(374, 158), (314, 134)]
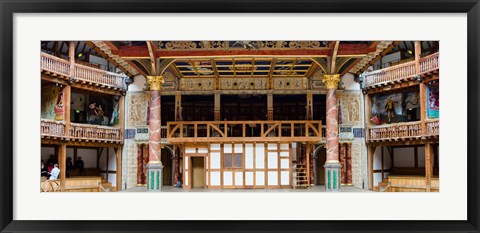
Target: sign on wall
[(141, 134)]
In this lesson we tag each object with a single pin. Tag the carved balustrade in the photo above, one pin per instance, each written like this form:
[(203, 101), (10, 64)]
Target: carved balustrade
[(429, 63), (399, 131), (98, 77), (401, 72), (244, 131), (433, 127), (54, 65), (52, 129), (85, 132)]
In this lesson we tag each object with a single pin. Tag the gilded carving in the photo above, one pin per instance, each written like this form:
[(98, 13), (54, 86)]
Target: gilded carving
[(155, 82), (290, 83), (243, 83), (331, 80), (197, 84)]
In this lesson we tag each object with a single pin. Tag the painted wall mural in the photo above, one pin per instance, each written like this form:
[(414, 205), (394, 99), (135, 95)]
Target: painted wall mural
[(433, 102), (394, 108), (50, 98)]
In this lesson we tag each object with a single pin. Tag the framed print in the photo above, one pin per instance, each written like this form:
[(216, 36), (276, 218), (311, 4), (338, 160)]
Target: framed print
[(199, 116)]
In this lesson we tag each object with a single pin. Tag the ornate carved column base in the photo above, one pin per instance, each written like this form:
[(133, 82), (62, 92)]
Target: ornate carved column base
[(154, 176), (332, 176)]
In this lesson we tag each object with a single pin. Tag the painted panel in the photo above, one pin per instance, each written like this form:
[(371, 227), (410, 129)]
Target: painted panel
[(248, 178), (214, 178), (215, 160), (214, 146), (202, 150), (284, 163), (190, 150), (239, 148), (259, 156), (227, 178), (272, 178), (284, 178), (238, 178), (227, 148), (272, 146), (272, 160), (284, 146), (259, 178)]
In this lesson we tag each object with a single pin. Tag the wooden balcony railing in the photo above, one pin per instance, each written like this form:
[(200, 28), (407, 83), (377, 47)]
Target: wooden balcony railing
[(52, 129), (163, 132), (85, 74), (395, 132), (84, 132), (99, 77), (54, 65), (402, 72), (433, 127), (429, 63), (244, 131)]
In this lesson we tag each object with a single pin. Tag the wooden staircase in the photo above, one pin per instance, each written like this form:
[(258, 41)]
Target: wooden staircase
[(107, 186), (383, 186), (301, 176)]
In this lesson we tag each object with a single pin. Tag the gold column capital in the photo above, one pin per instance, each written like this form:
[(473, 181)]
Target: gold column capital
[(155, 82), (331, 80)]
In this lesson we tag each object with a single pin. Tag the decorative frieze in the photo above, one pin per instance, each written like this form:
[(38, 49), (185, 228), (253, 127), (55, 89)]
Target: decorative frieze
[(290, 83), (197, 84), (243, 83)]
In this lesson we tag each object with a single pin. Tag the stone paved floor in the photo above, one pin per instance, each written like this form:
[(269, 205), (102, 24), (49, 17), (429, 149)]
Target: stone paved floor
[(311, 189)]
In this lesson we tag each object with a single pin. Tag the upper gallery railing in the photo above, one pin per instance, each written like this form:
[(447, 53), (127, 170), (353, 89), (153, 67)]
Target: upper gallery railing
[(402, 71), (54, 65), (402, 131), (244, 131), (82, 73), (52, 129), (80, 132)]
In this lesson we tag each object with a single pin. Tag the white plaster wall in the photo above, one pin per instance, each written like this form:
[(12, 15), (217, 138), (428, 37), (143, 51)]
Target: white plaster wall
[(349, 82), (138, 83)]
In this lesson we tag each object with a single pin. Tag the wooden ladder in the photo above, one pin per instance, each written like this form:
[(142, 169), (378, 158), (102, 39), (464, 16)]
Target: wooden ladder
[(301, 176)]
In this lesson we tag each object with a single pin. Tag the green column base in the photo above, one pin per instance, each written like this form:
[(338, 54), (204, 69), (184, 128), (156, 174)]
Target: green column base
[(154, 176), (332, 176)]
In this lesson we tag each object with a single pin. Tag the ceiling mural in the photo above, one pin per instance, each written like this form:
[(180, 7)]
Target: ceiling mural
[(249, 45)]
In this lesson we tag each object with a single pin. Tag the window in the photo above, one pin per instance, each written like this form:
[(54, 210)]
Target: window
[(232, 160)]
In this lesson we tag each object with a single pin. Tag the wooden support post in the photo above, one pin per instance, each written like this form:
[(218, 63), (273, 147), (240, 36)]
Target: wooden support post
[(428, 165), (217, 107), (367, 109), (309, 107), (381, 159), (62, 160), (118, 152), (106, 168), (75, 154), (121, 116), (415, 154), (270, 106), (66, 108), (307, 156), (423, 88), (178, 107), (371, 153)]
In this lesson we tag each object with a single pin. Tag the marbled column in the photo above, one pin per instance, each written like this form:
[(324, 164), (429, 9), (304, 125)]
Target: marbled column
[(139, 164), (342, 163), (332, 165), (154, 166), (176, 165), (348, 158)]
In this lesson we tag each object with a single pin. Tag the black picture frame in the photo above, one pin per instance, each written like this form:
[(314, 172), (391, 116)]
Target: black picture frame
[(9, 7)]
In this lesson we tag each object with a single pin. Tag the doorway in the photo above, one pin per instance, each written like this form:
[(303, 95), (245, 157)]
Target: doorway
[(197, 176), (167, 162), (320, 159)]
